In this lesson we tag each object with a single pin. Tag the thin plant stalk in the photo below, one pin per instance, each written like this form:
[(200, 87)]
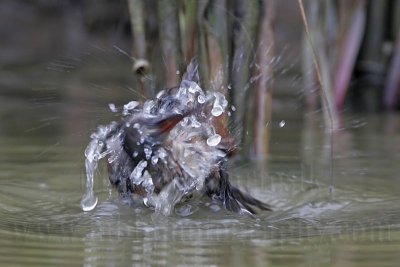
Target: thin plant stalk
[(213, 26), (189, 29), (264, 83), (309, 76), (141, 65), (327, 103), (245, 30), (202, 44), (137, 25), (392, 88), (348, 50), (170, 40)]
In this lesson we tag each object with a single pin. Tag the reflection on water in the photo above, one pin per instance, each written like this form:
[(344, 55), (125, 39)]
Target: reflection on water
[(42, 140)]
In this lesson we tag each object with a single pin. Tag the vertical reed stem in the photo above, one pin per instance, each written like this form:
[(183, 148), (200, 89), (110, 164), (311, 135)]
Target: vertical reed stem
[(327, 103), (170, 40), (141, 66), (392, 89), (264, 83)]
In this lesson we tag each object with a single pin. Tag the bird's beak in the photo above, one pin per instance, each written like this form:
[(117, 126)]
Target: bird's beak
[(167, 124)]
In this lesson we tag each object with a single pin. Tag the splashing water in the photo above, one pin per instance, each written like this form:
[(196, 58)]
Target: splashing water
[(129, 106), (137, 174), (93, 153), (195, 156)]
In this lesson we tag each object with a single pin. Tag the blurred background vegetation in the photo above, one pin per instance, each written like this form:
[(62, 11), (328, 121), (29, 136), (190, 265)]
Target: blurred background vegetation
[(255, 52)]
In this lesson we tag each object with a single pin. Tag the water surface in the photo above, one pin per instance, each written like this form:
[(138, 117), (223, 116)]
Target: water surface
[(43, 134)]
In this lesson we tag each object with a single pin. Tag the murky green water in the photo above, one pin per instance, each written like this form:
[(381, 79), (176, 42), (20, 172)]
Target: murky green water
[(44, 133)]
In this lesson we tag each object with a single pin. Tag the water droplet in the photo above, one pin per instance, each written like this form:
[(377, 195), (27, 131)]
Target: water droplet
[(195, 123), (162, 153), (282, 123), (159, 94), (147, 152), (201, 99), (147, 106), (112, 107), (214, 140), (88, 202), (217, 111), (154, 160), (233, 108), (147, 182), (193, 87), (147, 202), (137, 174), (178, 72), (129, 106)]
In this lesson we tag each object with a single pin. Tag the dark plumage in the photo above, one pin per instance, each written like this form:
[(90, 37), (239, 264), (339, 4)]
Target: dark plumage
[(167, 150)]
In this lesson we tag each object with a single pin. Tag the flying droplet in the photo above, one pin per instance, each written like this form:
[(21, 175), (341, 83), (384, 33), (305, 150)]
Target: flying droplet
[(112, 107), (127, 107), (201, 99), (196, 124), (154, 160), (214, 140), (147, 152), (217, 111), (282, 123), (131, 105)]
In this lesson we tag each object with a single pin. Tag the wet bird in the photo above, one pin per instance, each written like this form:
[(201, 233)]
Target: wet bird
[(167, 150)]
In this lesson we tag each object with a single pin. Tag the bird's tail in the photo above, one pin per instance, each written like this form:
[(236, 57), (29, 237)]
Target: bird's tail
[(233, 198)]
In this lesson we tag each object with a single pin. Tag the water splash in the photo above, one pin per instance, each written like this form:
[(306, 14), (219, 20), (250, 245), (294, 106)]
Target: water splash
[(129, 106), (191, 146), (137, 174), (171, 195), (93, 153)]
